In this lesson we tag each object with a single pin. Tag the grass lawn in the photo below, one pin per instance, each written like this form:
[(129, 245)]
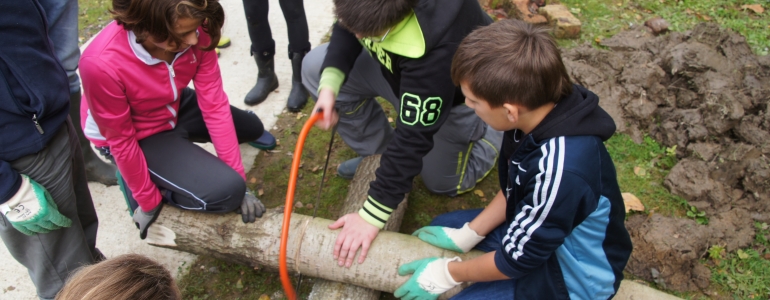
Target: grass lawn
[(604, 18), (641, 167), (93, 15)]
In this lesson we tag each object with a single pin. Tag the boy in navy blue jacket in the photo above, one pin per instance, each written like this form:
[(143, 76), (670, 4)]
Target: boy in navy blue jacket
[(555, 230)]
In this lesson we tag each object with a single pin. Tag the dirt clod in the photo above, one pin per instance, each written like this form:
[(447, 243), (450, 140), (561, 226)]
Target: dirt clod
[(658, 25), (706, 93), (674, 258)]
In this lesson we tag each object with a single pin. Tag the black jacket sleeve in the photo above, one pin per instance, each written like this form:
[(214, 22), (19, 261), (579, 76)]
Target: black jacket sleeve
[(342, 51), (426, 97)]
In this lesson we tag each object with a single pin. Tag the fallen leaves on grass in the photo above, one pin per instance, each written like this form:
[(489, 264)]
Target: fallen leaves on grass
[(742, 254), (261, 192), (756, 8), (632, 202), (480, 193), (703, 17), (639, 171)]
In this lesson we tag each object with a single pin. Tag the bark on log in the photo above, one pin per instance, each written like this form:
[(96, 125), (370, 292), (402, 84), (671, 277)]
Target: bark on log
[(359, 190), (310, 246), (357, 194)]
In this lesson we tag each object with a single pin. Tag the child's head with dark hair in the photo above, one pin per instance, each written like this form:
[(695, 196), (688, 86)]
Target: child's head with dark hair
[(511, 61), (168, 21), (371, 17), (129, 276)]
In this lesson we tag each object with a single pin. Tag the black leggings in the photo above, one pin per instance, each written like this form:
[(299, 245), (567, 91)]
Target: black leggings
[(189, 176), (262, 42)]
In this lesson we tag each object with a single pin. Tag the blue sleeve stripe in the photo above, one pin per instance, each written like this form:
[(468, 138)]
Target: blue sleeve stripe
[(547, 185)]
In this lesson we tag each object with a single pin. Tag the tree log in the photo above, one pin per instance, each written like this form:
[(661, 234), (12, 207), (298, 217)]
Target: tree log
[(357, 194), (310, 246)]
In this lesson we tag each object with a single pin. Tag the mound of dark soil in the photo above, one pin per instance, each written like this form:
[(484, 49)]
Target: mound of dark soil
[(706, 93)]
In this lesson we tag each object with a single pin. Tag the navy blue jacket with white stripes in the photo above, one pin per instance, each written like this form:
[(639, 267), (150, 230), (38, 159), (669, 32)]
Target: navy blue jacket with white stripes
[(566, 238)]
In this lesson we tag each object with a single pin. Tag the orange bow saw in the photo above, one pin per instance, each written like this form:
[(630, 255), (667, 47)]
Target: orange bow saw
[(291, 294)]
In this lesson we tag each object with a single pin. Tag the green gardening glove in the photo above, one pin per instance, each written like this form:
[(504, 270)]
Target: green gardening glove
[(430, 278), (459, 240), (31, 210)]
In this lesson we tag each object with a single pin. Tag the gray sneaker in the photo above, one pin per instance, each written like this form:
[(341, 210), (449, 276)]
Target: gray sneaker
[(347, 169)]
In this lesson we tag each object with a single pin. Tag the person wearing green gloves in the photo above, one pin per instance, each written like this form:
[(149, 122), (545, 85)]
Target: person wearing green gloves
[(400, 50), (32, 210), (555, 229), (48, 220)]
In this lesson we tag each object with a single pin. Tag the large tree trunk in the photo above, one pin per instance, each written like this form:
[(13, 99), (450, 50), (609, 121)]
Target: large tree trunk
[(357, 194), (310, 246)]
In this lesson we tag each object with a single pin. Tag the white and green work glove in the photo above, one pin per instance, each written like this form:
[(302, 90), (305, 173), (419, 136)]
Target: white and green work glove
[(31, 210), (459, 240), (430, 278)]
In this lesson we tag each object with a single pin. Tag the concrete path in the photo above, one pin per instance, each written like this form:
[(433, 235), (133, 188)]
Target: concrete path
[(117, 234)]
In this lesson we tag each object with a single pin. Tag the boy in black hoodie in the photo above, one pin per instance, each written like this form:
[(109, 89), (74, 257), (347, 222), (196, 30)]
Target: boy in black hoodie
[(555, 230), (402, 51)]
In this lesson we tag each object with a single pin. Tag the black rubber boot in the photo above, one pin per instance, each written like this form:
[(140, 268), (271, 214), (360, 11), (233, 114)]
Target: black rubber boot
[(96, 169), (298, 95), (266, 80)]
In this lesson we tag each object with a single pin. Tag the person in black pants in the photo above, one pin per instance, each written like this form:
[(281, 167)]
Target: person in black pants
[(263, 50)]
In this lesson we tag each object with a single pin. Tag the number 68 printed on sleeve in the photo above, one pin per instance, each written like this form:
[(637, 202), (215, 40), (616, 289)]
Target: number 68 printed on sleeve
[(414, 109)]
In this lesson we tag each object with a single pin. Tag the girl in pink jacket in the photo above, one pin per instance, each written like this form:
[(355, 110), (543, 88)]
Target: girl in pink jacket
[(138, 110)]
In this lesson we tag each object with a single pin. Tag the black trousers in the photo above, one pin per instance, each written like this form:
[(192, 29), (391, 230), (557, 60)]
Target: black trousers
[(262, 41), (188, 176)]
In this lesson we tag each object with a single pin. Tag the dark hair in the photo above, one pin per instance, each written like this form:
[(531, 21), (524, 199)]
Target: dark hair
[(512, 61), (371, 17), (129, 276), (156, 18)]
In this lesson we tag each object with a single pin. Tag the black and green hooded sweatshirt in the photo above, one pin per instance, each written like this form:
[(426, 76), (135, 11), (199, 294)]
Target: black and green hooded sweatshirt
[(415, 58)]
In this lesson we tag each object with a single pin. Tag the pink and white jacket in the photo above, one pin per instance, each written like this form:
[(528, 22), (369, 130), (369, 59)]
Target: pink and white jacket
[(129, 95)]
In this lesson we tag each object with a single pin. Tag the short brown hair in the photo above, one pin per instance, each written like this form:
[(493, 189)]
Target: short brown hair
[(156, 18), (129, 276), (371, 17), (511, 61)]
